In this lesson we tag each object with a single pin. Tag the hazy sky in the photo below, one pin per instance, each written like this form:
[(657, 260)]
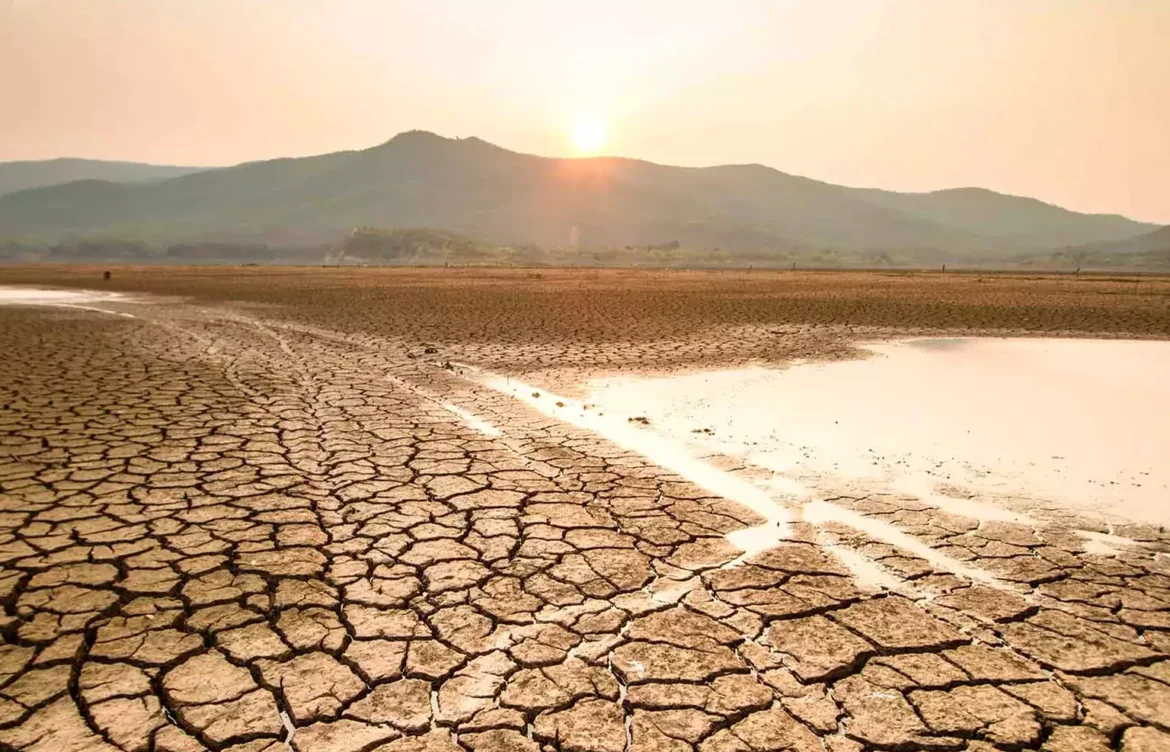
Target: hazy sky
[(1064, 100)]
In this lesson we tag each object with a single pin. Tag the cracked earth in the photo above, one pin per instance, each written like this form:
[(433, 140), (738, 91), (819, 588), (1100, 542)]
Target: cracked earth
[(224, 530)]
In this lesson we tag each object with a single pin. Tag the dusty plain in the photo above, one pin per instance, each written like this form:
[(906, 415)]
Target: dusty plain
[(273, 508)]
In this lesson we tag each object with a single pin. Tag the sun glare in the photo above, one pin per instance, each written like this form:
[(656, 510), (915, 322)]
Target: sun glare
[(589, 135)]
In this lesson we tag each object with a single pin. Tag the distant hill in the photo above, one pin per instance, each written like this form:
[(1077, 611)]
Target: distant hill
[(1157, 241), (1147, 252), (20, 176), (1016, 220), (469, 186)]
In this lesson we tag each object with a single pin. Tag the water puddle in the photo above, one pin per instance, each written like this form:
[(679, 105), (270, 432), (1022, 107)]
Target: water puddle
[(1077, 422), (78, 299), (958, 424), (635, 433)]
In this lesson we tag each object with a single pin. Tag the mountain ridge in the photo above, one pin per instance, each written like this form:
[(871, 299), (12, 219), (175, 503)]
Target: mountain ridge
[(468, 185), (1157, 241), (26, 174)]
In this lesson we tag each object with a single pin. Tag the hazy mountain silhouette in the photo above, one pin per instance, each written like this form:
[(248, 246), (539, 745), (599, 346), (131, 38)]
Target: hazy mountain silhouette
[(418, 179), (1015, 219), (20, 176), (1157, 241), (1149, 251)]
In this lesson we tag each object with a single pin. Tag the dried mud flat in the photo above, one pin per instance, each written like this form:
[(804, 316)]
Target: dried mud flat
[(283, 508)]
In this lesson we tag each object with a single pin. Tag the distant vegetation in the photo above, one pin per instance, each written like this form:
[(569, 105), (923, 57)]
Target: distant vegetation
[(369, 246), (497, 207), (117, 250), (372, 245)]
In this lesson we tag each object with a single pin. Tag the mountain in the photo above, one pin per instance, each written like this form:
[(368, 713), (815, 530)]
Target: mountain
[(1016, 220), (419, 179), (20, 176), (1157, 241), (1147, 252)]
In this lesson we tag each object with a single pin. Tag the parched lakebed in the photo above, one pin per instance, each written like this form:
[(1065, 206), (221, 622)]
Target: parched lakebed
[(232, 523)]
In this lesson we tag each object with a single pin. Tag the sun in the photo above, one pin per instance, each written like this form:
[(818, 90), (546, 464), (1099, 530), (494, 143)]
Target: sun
[(589, 135)]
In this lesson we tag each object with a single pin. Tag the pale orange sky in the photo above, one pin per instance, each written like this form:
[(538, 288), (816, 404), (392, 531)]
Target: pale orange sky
[(1064, 100)]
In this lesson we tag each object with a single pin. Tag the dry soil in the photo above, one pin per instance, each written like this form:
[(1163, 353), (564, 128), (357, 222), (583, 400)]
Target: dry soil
[(278, 506)]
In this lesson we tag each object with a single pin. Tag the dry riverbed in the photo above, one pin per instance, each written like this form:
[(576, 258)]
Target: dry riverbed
[(404, 511)]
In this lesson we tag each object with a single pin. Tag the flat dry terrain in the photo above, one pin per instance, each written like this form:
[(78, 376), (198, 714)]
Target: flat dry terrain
[(612, 319), (258, 505)]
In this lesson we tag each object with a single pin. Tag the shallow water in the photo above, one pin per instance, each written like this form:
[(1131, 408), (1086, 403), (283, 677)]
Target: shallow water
[(82, 299), (772, 501), (960, 423)]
